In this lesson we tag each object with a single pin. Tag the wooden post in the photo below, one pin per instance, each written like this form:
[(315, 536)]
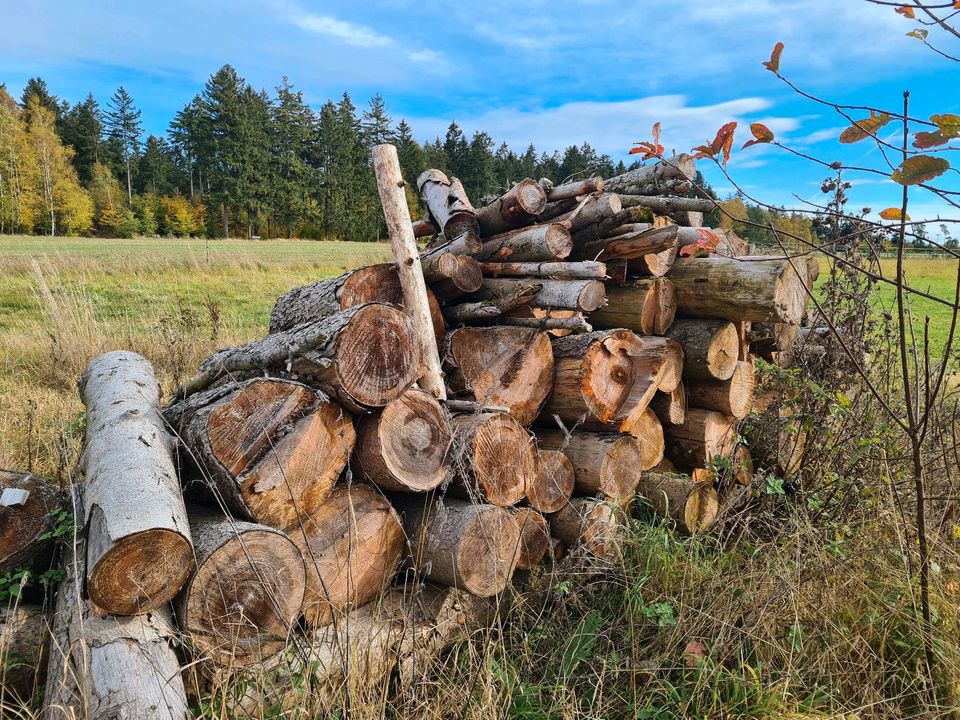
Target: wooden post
[(390, 184)]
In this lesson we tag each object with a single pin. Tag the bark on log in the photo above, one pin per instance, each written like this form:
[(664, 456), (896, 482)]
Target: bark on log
[(534, 537), (604, 378), (778, 441), (553, 484), (766, 338), (582, 270), (27, 503), (604, 463), (557, 208), (733, 397), (122, 668), (509, 367), (711, 348), (648, 431), (390, 184), (494, 458), (448, 206), (246, 594), (365, 356), (691, 505), (659, 178), (705, 435), (668, 205), (538, 243), (465, 277), (138, 538), (582, 295), (606, 224), (743, 330), (671, 408), (593, 211), (755, 288), (557, 326), (590, 524), (518, 206), (630, 246), (351, 546), (653, 265), (573, 189), (494, 307), (464, 245), (24, 636), (647, 306), (405, 448), (270, 450), (465, 545), (374, 283)]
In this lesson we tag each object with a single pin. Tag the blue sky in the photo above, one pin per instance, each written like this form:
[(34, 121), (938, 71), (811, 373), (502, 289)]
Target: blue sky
[(553, 73)]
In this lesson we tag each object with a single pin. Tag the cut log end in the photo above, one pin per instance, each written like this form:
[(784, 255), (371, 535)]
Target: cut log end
[(589, 524), (497, 455), (488, 551), (554, 482), (534, 537)]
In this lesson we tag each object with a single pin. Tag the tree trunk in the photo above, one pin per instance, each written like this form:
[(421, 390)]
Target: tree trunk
[(466, 277), (668, 205), (777, 441), (711, 348), (648, 431), (122, 668), (691, 505), (27, 503), (671, 408), (733, 397), (558, 326), (138, 538), (607, 223), (593, 211), (538, 243), (468, 546), (374, 283), (554, 482), (604, 463), (365, 356), (759, 289), (508, 367), (567, 270), (493, 307), (629, 246), (582, 295), (246, 594), (704, 435), (447, 204), (518, 206), (534, 537), (24, 637), (767, 338), (664, 177), (654, 264), (351, 546), (405, 447), (572, 189), (271, 450), (494, 458), (591, 524), (646, 306)]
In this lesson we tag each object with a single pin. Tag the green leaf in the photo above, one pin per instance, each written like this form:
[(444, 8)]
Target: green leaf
[(864, 128), (947, 123), (919, 169), (582, 642)]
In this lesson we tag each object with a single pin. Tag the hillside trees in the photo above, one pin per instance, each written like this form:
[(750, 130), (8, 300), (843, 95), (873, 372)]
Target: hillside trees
[(81, 127), (124, 130)]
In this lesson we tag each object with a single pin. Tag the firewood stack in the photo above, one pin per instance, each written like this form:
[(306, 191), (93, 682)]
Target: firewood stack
[(589, 363)]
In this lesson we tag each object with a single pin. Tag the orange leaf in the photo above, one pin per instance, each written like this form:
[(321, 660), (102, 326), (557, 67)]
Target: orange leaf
[(892, 213), (918, 169), (727, 146), (773, 64), (656, 133), (906, 11), (865, 128), (761, 134)]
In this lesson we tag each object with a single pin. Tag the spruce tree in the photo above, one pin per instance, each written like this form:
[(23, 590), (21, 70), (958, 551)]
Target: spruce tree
[(124, 129), (291, 135), (376, 123), (36, 89), (81, 128), (156, 169)]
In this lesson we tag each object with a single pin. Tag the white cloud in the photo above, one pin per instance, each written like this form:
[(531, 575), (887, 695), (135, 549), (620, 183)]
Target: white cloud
[(424, 56), (347, 32)]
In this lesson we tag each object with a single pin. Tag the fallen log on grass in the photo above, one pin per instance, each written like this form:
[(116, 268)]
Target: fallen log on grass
[(28, 507)]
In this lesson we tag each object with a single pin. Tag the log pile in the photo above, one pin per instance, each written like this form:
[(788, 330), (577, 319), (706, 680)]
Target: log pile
[(489, 403)]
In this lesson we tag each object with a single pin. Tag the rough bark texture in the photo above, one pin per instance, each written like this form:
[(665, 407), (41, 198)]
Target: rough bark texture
[(671, 408), (671, 175), (607, 223), (592, 525), (26, 504), (406, 447), (518, 206), (647, 306), (558, 326), (508, 367), (732, 397), (704, 435), (493, 307), (465, 545), (351, 546), (593, 211), (538, 243), (271, 450), (711, 348), (777, 441), (668, 205), (629, 246), (582, 295), (24, 636), (580, 270), (554, 482), (755, 288), (534, 537), (139, 550), (374, 283), (572, 189), (691, 505), (648, 431), (448, 206), (494, 458), (603, 463), (247, 592)]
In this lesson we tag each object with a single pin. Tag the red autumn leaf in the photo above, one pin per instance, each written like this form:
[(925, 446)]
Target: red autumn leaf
[(892, 213), (761, 134), (656, 133), (773, 64), (706, 243), (721, 143), (906, 11), (728, 145), (924, 140), (650, 150)]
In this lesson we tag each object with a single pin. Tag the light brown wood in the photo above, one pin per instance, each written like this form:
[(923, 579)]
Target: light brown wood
[(26, 510), (139, 550), (671, 372), (671, 408), (240, 605), (24, 637), (732, 397), (691, 505), (669, 176), (557, 326), (594, 210), (648, 431), (510, 367), (465, 277), (554, 482), (390, 184), (559, 270), (593, 525), (604, 463), (653, 265), (494, 458), (572, 189), (534, 537), (630, 246), (550, 242), (704, 435), (582, 295), (270, 450), (711, 348), (351, 546), (668, 205), (518, 206), (448, 206), (406, 447), (647, 306), (465, 545)]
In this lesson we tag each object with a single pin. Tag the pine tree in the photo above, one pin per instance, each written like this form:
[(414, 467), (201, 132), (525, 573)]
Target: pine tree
[(124, 129), (457, 151), (36, 89), (412, 163), (156, 169), (292, 130), (190, 141), (81, 128), (376, 123), (478, 176)]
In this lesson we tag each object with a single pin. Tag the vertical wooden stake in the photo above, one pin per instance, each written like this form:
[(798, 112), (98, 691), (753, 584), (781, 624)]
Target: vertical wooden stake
[(405, 251)]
